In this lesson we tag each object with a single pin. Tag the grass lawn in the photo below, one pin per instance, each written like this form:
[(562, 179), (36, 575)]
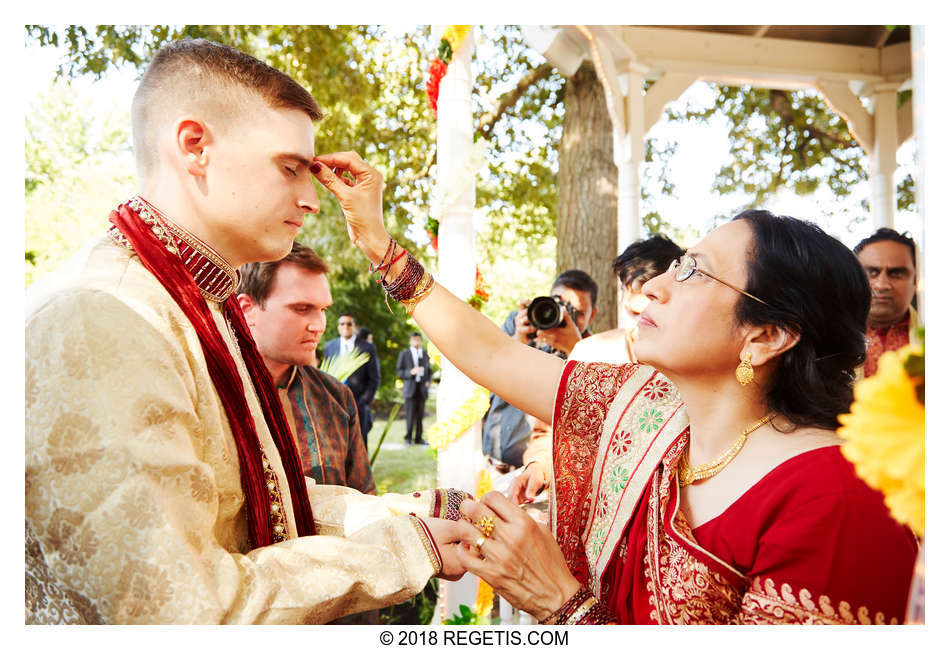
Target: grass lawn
[(405, 468), (398, 467)]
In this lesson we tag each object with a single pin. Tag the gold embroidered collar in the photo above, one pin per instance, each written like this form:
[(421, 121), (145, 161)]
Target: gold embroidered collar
[(215, 278)]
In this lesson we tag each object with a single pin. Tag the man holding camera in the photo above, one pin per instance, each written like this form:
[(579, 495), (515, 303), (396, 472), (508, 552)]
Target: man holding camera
[(553, 324), (538, 322)]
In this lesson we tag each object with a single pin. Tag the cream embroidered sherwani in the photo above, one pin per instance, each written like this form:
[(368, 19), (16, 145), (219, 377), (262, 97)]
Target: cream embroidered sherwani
[(134, 506)]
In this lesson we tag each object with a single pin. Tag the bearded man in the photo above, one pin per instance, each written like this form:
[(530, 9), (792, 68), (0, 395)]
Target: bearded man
[(162, 481)]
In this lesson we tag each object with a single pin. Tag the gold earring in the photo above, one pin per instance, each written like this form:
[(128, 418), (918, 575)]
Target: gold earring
[(745, 373)]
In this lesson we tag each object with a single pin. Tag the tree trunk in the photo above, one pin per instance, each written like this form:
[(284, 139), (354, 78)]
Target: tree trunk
[(587, 191)]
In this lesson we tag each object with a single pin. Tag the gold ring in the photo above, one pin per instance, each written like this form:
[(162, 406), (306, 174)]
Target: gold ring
[(481, 540), (486, 524)]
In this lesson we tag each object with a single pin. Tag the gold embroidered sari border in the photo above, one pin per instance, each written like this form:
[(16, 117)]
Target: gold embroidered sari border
[(764, 603), (651, 453)]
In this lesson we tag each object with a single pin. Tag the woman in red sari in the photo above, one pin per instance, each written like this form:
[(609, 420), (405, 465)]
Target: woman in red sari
[(743, 511)]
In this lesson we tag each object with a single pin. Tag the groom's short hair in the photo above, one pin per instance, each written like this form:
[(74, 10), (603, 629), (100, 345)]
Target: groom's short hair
[(201, 76)]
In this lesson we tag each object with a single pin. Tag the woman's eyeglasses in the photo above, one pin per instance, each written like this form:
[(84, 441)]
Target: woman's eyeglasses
[(685, 266)]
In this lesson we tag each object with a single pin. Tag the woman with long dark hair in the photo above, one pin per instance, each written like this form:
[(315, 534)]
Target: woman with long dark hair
[(704, 484)]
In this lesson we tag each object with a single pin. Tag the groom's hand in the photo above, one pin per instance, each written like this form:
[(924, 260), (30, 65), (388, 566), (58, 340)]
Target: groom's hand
[(447, 535)]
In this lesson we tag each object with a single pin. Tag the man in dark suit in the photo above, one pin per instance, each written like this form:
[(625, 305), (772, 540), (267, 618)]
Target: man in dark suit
[(365, 380), (413, 368)]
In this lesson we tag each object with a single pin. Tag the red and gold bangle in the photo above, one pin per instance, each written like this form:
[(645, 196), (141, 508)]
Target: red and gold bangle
[(390, 265), (446, 502), (582, 607), (411, 286), (579, 613), (390, 249), (597, 614), (404, 285), (579, 596), (423, 289)]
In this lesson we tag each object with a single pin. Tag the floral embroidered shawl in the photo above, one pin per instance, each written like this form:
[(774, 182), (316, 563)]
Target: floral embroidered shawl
[(619, 432)]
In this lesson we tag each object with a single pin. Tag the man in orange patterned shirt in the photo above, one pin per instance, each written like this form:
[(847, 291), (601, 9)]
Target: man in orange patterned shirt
[(890, 260)]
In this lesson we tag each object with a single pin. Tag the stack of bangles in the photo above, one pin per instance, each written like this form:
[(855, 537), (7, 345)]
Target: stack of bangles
[(581, 609), (412, 284)]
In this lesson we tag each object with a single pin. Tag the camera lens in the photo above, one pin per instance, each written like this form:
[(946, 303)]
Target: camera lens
[(544, 312)]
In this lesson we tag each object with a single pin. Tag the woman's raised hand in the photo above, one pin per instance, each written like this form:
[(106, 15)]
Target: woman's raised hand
[(519, 559), (532, 481), (360, 197)]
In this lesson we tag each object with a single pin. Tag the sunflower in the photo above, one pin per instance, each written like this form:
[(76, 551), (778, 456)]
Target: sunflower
[(884, 434)]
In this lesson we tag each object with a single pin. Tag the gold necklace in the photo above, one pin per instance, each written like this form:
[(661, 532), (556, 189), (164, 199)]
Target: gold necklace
[(689, 475)]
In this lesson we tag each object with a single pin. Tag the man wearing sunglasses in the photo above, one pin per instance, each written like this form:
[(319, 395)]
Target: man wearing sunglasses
[(365, 380)]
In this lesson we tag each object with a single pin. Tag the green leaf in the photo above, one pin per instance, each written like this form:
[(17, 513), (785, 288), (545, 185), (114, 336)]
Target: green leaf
[(344, 365)]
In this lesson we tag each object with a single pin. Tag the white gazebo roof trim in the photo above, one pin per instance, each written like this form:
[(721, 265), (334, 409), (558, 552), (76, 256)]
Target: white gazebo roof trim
[(844, 63)]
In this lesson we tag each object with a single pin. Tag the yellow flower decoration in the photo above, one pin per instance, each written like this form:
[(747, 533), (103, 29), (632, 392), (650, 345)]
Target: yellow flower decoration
[(884, 437), (455, 34), (434, 355), (484, 484), (484, 599), (445, 431)]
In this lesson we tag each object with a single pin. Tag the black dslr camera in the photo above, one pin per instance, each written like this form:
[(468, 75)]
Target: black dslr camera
[(544, 313)]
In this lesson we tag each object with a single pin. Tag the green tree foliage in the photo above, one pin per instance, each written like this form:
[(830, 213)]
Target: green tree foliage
[(354, 291), (518, 107), (371, 84), (787, 139), (78, 167), (370, 80)]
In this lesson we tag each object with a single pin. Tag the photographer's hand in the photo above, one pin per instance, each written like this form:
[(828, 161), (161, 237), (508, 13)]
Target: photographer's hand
[(523, 326), (562, 338)]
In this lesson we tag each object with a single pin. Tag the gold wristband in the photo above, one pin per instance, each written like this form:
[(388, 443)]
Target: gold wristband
[(429, 543), (422, 290), (579, 613)]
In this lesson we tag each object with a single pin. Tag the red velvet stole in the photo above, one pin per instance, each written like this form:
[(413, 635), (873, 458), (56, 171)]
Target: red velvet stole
[(170, 271)]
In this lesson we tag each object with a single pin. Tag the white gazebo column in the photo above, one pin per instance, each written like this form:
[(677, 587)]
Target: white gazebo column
[(920, 122), (628, 126), (628, 154), (460, 461), (884, 157)]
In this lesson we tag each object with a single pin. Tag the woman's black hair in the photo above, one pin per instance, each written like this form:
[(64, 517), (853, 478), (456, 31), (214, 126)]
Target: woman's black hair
[(814, 286), (645, 259), (363, 333)]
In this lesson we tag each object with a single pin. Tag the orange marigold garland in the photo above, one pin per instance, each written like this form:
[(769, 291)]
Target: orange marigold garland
[(451, 39), (482, 291), (437, 70)]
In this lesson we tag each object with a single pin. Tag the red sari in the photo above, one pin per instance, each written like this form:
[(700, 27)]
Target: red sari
[(809, 543)]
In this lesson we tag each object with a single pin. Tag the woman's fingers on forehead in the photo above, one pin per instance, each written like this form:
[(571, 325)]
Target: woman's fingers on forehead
[(343, 161)]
